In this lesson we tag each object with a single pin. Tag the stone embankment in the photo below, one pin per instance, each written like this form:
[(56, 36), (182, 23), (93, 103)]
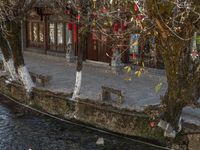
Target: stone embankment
[(100, 114)]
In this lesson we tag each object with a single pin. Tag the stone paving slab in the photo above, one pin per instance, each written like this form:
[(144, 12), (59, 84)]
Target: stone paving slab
[(139, 92)]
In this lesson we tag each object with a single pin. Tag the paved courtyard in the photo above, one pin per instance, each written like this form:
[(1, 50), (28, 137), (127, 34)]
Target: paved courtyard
[(138, 92)]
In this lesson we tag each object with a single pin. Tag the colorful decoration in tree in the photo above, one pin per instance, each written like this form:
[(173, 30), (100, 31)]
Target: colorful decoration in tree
[(136, 9), (78, 17), (116, 27), (140, 17), (134, 56), (194, 54), (112, 20), (70, 26)]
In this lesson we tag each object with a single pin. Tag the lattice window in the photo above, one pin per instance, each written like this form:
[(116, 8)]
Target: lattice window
[(52, 33), (60, 33)]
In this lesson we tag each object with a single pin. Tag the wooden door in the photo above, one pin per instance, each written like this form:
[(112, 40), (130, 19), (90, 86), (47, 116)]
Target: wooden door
[(104, 52), (92, 49)]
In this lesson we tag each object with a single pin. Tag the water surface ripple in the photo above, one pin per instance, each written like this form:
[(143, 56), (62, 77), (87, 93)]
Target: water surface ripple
[(29, 131)]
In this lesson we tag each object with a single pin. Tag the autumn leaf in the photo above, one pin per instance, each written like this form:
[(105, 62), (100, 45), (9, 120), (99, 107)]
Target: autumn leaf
[(138, 73), (158, 87), (143, 64), (128, 69)]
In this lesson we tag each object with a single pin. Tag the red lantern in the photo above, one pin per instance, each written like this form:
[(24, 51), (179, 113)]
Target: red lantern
[(136, 7), (70, 26), (116, 27)]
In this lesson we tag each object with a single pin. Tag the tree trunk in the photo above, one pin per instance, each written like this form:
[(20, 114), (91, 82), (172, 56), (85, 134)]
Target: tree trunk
[(79, 67), (180, 91), (7, 57), (175, 49), (15, 43)]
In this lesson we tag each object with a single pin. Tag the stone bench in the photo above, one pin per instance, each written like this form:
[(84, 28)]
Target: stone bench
[(40, 79), (108, 93)]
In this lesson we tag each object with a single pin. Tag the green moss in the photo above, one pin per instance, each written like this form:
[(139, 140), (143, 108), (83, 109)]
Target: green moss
[(144, 129)]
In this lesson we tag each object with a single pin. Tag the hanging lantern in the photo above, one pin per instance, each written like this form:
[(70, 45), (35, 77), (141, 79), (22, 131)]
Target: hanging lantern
[(136, 7), (116, 27), (70, 26)]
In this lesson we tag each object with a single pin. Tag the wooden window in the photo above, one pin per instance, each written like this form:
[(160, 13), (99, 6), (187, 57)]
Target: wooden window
[(35, 32), (60, 33), (41, 32), (52, 33), (57, 39)]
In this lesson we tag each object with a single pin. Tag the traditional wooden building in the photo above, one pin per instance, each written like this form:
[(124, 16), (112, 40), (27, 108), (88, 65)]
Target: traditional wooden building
[(48, 32)]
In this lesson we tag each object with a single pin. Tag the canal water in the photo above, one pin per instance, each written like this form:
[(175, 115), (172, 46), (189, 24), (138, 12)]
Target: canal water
[(25, 130)]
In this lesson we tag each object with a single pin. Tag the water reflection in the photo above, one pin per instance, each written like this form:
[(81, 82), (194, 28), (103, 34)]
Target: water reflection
[(36, 132)]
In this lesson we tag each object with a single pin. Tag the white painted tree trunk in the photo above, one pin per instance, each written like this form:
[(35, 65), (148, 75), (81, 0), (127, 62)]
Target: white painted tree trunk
[(26, 78), (9, 66), (77, 84)]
